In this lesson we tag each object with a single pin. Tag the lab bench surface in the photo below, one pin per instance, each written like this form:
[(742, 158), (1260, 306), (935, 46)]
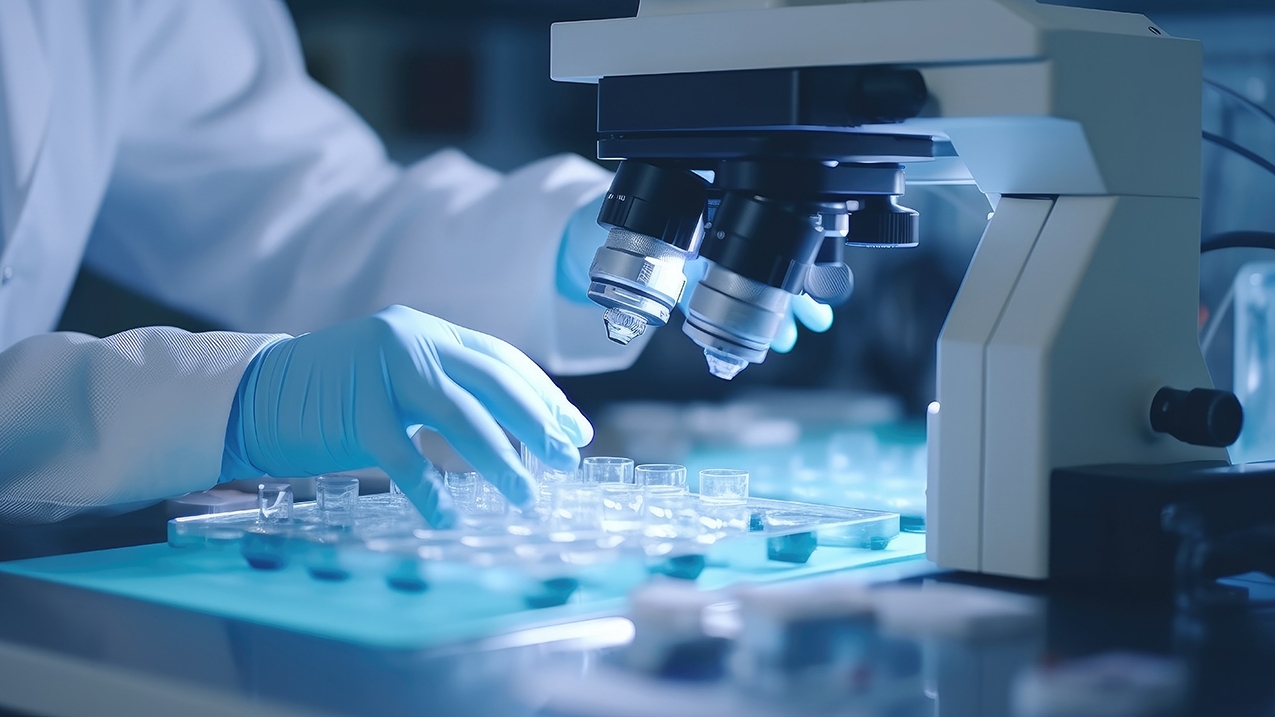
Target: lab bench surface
[(68, 649)]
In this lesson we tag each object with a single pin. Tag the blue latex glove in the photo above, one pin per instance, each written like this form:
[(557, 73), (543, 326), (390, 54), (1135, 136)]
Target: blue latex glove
[(583, 237), (345, 397), (580, 241)]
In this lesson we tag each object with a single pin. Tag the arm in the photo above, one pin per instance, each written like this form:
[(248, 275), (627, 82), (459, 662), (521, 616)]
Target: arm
[(246, 193), (113, 424)]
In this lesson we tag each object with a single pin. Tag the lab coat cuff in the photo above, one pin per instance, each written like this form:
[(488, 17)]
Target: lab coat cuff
[(234, 462)]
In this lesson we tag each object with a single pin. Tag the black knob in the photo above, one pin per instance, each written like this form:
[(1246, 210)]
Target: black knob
[(880, 221), (1201, 416)]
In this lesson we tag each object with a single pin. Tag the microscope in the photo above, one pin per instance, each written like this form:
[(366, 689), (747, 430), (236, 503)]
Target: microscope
[(1074, 407)]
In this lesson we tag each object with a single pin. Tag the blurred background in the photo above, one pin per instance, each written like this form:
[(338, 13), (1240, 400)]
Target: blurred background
[(473, 74)]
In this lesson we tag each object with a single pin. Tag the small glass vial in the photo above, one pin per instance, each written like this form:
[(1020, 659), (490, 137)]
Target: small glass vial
[(668, 478), (607, 470), (724, 486), (274, 502), (337, 497), (670, 515), (544, 474), (576, 508), (1254, 368), (621, 507), (484, 499), (396, 493), (463, 488)]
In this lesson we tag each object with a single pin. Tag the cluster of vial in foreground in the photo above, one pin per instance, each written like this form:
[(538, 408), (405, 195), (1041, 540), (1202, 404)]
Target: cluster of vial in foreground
[(336, 497), (610, 494), (606, 493)]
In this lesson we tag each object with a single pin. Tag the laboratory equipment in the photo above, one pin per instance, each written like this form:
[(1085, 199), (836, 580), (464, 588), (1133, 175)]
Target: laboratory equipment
[(661, 478), (669, 635), (577, 508), (607, 470), (337, 497), (723, 485), (805, 643), (274, 502), (622, 505), (580, 526), (463, 488), (671, 515), (1083, 127), (1254, 375), (1107, 684)]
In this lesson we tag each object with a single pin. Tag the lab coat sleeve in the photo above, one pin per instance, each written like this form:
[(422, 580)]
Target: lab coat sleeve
[(246, 193), (109, 425)]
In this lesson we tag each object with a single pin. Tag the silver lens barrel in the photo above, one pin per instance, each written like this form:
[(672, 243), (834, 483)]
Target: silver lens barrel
[(734, 317), (639, 279)]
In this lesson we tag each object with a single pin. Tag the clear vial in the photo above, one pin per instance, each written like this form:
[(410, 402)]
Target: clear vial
[(488, 500), (661, 478), (576, 508), (725, 486), (464, 489), (542, 473), (670, 516), (274, 502), (1254, 361), (607, 470), (337, 497), (622, 505)]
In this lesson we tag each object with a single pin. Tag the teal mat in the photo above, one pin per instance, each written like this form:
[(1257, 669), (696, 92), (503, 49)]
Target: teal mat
[(364, 610)]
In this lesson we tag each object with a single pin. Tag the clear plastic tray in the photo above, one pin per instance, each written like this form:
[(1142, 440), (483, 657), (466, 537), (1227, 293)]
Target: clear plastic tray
[(388, 537)]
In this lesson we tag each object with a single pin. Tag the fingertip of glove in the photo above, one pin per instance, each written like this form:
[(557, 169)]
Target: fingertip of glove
[(813, 315), (518, 488), (575, 425), (785, 339), (442, 519), (432, 500)]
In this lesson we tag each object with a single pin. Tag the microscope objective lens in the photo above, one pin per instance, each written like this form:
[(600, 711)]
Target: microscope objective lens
[(623, 326), (724, 365)]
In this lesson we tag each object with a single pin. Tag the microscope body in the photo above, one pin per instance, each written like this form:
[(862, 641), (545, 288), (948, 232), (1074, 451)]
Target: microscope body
[(1082, 127)]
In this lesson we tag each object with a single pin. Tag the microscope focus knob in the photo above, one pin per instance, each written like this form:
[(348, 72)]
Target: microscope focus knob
[(880, 221), (830, 283), (1201, 416)]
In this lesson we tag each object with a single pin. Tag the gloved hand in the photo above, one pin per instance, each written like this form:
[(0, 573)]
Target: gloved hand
[(344, 398), (583, 237)]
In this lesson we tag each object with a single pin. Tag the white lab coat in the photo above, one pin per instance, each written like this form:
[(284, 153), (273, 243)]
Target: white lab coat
[(180, 149)]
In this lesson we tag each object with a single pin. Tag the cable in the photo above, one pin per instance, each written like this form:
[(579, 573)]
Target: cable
[(1230, 240), (1244, 152), (1215, 322), (1241, 97), (1235, 240)]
